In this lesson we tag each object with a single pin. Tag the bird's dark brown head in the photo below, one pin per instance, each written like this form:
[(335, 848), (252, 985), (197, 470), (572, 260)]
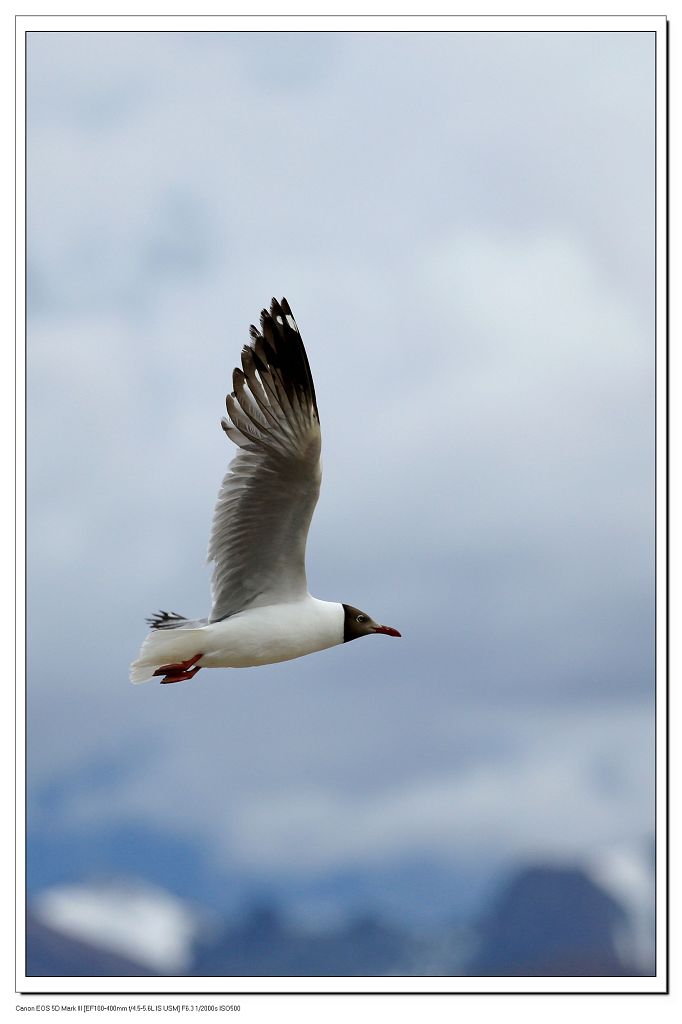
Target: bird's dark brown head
[(358, 623)]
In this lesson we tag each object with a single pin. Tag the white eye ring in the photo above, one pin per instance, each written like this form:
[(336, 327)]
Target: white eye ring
[(361, 618)]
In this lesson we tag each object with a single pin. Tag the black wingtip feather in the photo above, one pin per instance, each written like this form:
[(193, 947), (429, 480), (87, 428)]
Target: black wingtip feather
[(277, 354), (260, 354), (165, 620)]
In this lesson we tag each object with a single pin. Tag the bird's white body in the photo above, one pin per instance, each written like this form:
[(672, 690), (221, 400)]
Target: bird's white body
[(256, 636)]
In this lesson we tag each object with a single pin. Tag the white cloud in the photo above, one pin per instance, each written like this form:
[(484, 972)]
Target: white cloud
[(469, 278), (575, 788)]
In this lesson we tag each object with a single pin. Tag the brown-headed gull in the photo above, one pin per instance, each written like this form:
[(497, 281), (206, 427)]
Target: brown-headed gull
[(262, 612)]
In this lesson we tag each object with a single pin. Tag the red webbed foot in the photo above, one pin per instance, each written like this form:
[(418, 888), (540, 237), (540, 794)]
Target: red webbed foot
[(180, 670)]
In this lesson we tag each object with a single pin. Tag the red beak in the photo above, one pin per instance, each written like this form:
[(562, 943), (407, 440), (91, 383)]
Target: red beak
[(388, 630)]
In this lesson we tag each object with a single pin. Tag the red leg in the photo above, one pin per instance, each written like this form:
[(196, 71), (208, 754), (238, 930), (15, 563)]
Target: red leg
[(177, 677), (180, 666)]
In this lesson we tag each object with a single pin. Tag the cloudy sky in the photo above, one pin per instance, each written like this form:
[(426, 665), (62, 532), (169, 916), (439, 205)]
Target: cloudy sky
[(463, 224)]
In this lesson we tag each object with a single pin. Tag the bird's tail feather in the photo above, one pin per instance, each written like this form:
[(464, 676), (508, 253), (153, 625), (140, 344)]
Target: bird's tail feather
[(167, 647)]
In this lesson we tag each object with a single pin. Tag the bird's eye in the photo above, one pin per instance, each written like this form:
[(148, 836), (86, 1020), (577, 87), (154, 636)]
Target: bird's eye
[(362, 618)]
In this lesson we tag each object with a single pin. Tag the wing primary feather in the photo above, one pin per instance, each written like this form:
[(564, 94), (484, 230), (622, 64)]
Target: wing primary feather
[(267, 497), (241, 422), (248, 404), (290, 364), (269, 441), (301, 367), (237, 437), (287, 365), (255, 386), (279, 379), (260, 358)]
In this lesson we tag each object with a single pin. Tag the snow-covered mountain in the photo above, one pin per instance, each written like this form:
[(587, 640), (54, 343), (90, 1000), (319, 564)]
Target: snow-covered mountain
[(52, 954), (627, 873), (125, 917), (541, 919)]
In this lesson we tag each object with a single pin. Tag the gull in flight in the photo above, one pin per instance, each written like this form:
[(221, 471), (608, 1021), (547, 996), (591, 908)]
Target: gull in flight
[(261, 610)]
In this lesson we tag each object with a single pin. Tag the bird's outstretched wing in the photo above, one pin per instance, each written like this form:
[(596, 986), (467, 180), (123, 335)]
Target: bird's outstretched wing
[(267, 498)]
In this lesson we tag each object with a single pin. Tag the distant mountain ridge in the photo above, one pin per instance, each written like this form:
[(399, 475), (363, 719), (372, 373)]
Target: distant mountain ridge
[(545, 921), (551, 922), (52, 954)]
